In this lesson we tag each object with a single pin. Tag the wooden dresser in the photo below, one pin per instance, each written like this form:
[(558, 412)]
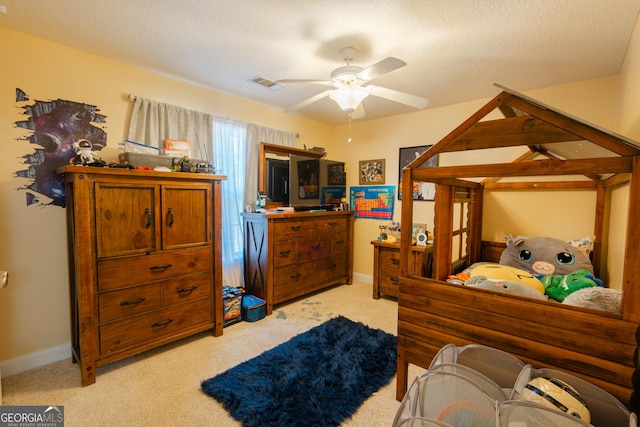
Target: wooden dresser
[(290, 255), (145, 260), (386, 266)]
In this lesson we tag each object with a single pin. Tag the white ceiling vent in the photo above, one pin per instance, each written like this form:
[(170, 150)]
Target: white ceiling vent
[(266, 83)]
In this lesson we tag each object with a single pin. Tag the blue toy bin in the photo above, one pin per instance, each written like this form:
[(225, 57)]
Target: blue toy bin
[(253, 308)]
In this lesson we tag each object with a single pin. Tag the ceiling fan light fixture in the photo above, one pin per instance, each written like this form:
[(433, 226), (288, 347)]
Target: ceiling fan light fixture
[(349, 97)]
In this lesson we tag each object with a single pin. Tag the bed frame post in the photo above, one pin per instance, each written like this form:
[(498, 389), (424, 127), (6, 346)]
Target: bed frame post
[(402, 374), (631, 270), (406, 221), (443, 231), (474, 240)]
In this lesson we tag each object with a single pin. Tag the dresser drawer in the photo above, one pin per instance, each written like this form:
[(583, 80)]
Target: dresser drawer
[(390, 258), (126, 272), (135, 331), (129, 302), (287, 229), (284, 252), (340, 244), (314, 247), (389, 281), (331, 225), (291, 278), (332, 268), (186, 289)]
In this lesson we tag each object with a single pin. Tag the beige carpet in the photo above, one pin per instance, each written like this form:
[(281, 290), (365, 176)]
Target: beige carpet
[(162, 387)]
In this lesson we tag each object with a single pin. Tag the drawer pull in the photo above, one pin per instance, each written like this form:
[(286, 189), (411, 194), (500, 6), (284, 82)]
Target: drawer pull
[(166, 322), (160, 267), (339, 242), (296, 276), (170, 217), (191, 289), (147, 212), (333, 224), (285, 253), (315, 247), (295, 227), (395, 280), (132, 302), (395, 261)]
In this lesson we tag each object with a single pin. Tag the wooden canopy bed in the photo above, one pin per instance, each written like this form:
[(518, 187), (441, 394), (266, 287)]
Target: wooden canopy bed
[(597, 346)]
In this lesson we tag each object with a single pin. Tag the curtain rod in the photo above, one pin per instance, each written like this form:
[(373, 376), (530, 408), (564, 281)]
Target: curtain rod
[(132, 97)]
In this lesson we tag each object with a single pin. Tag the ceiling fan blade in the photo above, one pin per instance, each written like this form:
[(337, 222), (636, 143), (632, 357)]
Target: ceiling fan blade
[(318, 82), (308, 101), (379, 68), (358, 113), (396, 96)]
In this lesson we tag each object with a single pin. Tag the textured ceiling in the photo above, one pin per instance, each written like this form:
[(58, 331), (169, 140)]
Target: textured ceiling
[(455, 50)]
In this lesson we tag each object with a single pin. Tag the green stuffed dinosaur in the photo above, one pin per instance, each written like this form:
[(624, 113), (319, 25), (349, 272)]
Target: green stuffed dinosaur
[(559, 287)]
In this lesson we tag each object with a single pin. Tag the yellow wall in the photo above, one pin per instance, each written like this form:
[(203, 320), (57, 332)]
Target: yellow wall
[(34, 309)]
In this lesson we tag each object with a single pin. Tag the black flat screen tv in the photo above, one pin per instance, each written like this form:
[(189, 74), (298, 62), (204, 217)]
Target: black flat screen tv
[(278, 180)]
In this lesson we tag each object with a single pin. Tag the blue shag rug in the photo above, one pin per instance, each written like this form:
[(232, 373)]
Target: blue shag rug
[(318, 378)]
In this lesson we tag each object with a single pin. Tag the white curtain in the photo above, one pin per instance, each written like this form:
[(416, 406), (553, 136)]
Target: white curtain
[(229, 159), (236, 153), (152, 122), (255, 135)]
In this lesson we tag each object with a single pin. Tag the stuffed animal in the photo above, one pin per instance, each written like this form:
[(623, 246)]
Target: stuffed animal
[(598, 298), (545, 256), (559, 287), (504, 272), (83, 151), (458, 279), (505, 286)]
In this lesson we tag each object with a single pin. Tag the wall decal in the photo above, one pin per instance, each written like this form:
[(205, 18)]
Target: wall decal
[(55, 126)]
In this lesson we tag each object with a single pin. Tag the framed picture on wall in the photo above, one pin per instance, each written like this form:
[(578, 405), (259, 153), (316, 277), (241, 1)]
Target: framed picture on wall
[(371, 171), (421, 190)]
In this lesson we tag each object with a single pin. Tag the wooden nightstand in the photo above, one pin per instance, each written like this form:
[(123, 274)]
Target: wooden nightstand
[(386, 266)]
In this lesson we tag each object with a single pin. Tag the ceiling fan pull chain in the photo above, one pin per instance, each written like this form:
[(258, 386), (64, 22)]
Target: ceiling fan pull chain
[(349, 132)]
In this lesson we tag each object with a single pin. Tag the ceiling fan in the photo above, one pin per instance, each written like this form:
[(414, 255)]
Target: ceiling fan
[(350, 88)]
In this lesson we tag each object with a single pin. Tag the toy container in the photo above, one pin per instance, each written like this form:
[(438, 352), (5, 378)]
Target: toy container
[(253, 308), (232, 300)]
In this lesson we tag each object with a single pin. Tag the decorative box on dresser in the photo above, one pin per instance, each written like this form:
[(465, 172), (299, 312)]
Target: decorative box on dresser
[(292, 254), (386, 266), (145, 260)]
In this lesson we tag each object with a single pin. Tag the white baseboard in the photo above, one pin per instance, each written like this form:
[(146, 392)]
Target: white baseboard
[(34, 360), (360, 277)]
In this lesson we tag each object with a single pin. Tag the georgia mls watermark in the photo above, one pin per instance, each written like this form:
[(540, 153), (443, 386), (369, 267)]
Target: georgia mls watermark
[(31, 416)]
